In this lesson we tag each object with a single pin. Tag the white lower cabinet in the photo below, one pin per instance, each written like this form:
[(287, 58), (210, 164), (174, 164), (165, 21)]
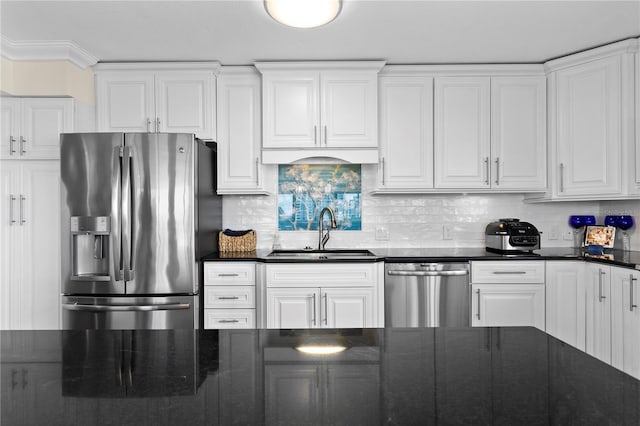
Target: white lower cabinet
[(30, 245), (495, 305), (625, 286), (324, 295), (229, 295), (566, 304), (598, 311), (507, 293)]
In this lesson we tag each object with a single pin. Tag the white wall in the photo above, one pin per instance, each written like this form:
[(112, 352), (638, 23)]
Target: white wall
[(419, 220)]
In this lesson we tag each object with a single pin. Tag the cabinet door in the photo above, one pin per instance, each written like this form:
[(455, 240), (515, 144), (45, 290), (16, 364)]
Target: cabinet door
[(349, 115), (518, 133), (462, 134), (406, 133), (293, 307), (292, 395), (290, 115), (10, 244), (589, 128), (495, 305), (625, 284), (348, 307), (42, 122), (10, 127), (598, 310), (40, 258), (184, 102), (125, 102), (239, 134), (565, 296)]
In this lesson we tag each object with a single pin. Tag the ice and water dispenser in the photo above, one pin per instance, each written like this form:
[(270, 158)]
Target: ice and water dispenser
[(90, 248)]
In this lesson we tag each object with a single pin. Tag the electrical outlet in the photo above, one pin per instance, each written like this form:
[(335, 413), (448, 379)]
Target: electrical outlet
[(554, 233), (447, 232), (567, 235), (382, 233)]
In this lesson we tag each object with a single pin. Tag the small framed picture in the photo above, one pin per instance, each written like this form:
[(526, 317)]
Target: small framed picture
[(600, 236)]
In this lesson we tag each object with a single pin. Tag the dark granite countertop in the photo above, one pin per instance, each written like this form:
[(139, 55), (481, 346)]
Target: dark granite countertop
[(628, 259), (480, 376)]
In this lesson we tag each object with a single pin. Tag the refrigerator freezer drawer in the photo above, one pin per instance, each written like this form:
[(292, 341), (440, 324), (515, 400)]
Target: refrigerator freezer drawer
[(125, 313), (230, 297)]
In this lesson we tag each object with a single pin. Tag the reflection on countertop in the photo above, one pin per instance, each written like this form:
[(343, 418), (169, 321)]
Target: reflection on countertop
[(480, 376)]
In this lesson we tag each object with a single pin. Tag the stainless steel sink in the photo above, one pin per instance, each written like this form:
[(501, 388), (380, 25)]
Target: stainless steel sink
[(322, 254)]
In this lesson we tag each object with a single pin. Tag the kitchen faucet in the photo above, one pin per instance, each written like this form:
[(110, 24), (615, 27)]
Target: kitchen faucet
[(322, 239)]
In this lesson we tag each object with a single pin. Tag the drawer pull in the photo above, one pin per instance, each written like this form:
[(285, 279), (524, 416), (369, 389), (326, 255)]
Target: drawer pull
[(228, 298), (228, 321), (228, 275), (509, 272)]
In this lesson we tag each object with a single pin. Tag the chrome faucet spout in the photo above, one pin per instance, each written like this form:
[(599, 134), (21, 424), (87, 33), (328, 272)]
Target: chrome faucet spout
[(322, 237)]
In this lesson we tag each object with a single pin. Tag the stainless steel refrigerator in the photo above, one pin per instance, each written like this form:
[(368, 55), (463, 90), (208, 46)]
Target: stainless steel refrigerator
[(138, 212)]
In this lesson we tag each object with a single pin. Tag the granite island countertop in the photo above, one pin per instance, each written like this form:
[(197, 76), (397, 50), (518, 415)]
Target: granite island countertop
[(481, 376), (627, 259)]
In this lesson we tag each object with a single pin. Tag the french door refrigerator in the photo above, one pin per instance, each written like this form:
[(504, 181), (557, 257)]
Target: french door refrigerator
[(138, 212)]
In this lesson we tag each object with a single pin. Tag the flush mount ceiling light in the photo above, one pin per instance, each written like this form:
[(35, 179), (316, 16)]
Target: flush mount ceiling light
[(303, 13)]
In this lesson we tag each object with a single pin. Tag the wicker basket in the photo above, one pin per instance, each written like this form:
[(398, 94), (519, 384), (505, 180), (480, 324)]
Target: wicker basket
[(246, 242)]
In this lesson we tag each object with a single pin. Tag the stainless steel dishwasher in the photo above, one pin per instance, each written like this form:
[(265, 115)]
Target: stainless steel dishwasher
[(427, 295)]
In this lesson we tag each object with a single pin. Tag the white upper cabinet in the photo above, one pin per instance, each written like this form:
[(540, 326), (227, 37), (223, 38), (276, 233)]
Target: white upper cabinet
[(490, 133), (406, 133), (240, 170), (518, 133), (31, 127), (591, 124), (321, 109), (637, 82), (462, 132), (156, 98)]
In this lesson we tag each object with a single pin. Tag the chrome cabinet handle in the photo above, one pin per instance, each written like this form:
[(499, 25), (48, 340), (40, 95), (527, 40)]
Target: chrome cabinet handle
[(497, 170), (23, 141), (148, 125), (12, 142), (22, 219), (561, 177), (486, 166), (631, 304), (11, 218), (509, 272), (313, 300), (228, 298), (325, 135), (228, 321), (228, 275), (326, 309), (478, 313), (600, 295), (315, 135), (157, 124), (382, 166)]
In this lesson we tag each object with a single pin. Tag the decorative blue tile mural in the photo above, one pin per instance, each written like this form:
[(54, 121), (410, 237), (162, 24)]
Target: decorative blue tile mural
[(305, 189)]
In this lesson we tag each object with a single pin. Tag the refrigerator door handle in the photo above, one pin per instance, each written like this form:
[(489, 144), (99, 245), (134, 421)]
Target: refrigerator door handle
[(126, 308), (127, 230), (116, 199)]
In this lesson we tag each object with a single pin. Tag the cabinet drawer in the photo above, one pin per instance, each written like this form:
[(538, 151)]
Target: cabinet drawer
[(229, 318), (229, 273), (321, 275), (507, 271), (230, 297)]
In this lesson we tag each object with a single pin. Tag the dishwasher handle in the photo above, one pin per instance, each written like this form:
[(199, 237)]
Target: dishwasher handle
[(458, 272)]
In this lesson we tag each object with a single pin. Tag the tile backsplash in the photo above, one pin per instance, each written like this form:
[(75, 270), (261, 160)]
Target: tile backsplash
[(420, 220)]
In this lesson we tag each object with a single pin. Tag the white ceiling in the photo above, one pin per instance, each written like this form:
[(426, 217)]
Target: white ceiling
[(239, 32)]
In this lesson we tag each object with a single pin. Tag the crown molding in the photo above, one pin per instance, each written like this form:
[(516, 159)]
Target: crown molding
[(39, 50), (628, 46)]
